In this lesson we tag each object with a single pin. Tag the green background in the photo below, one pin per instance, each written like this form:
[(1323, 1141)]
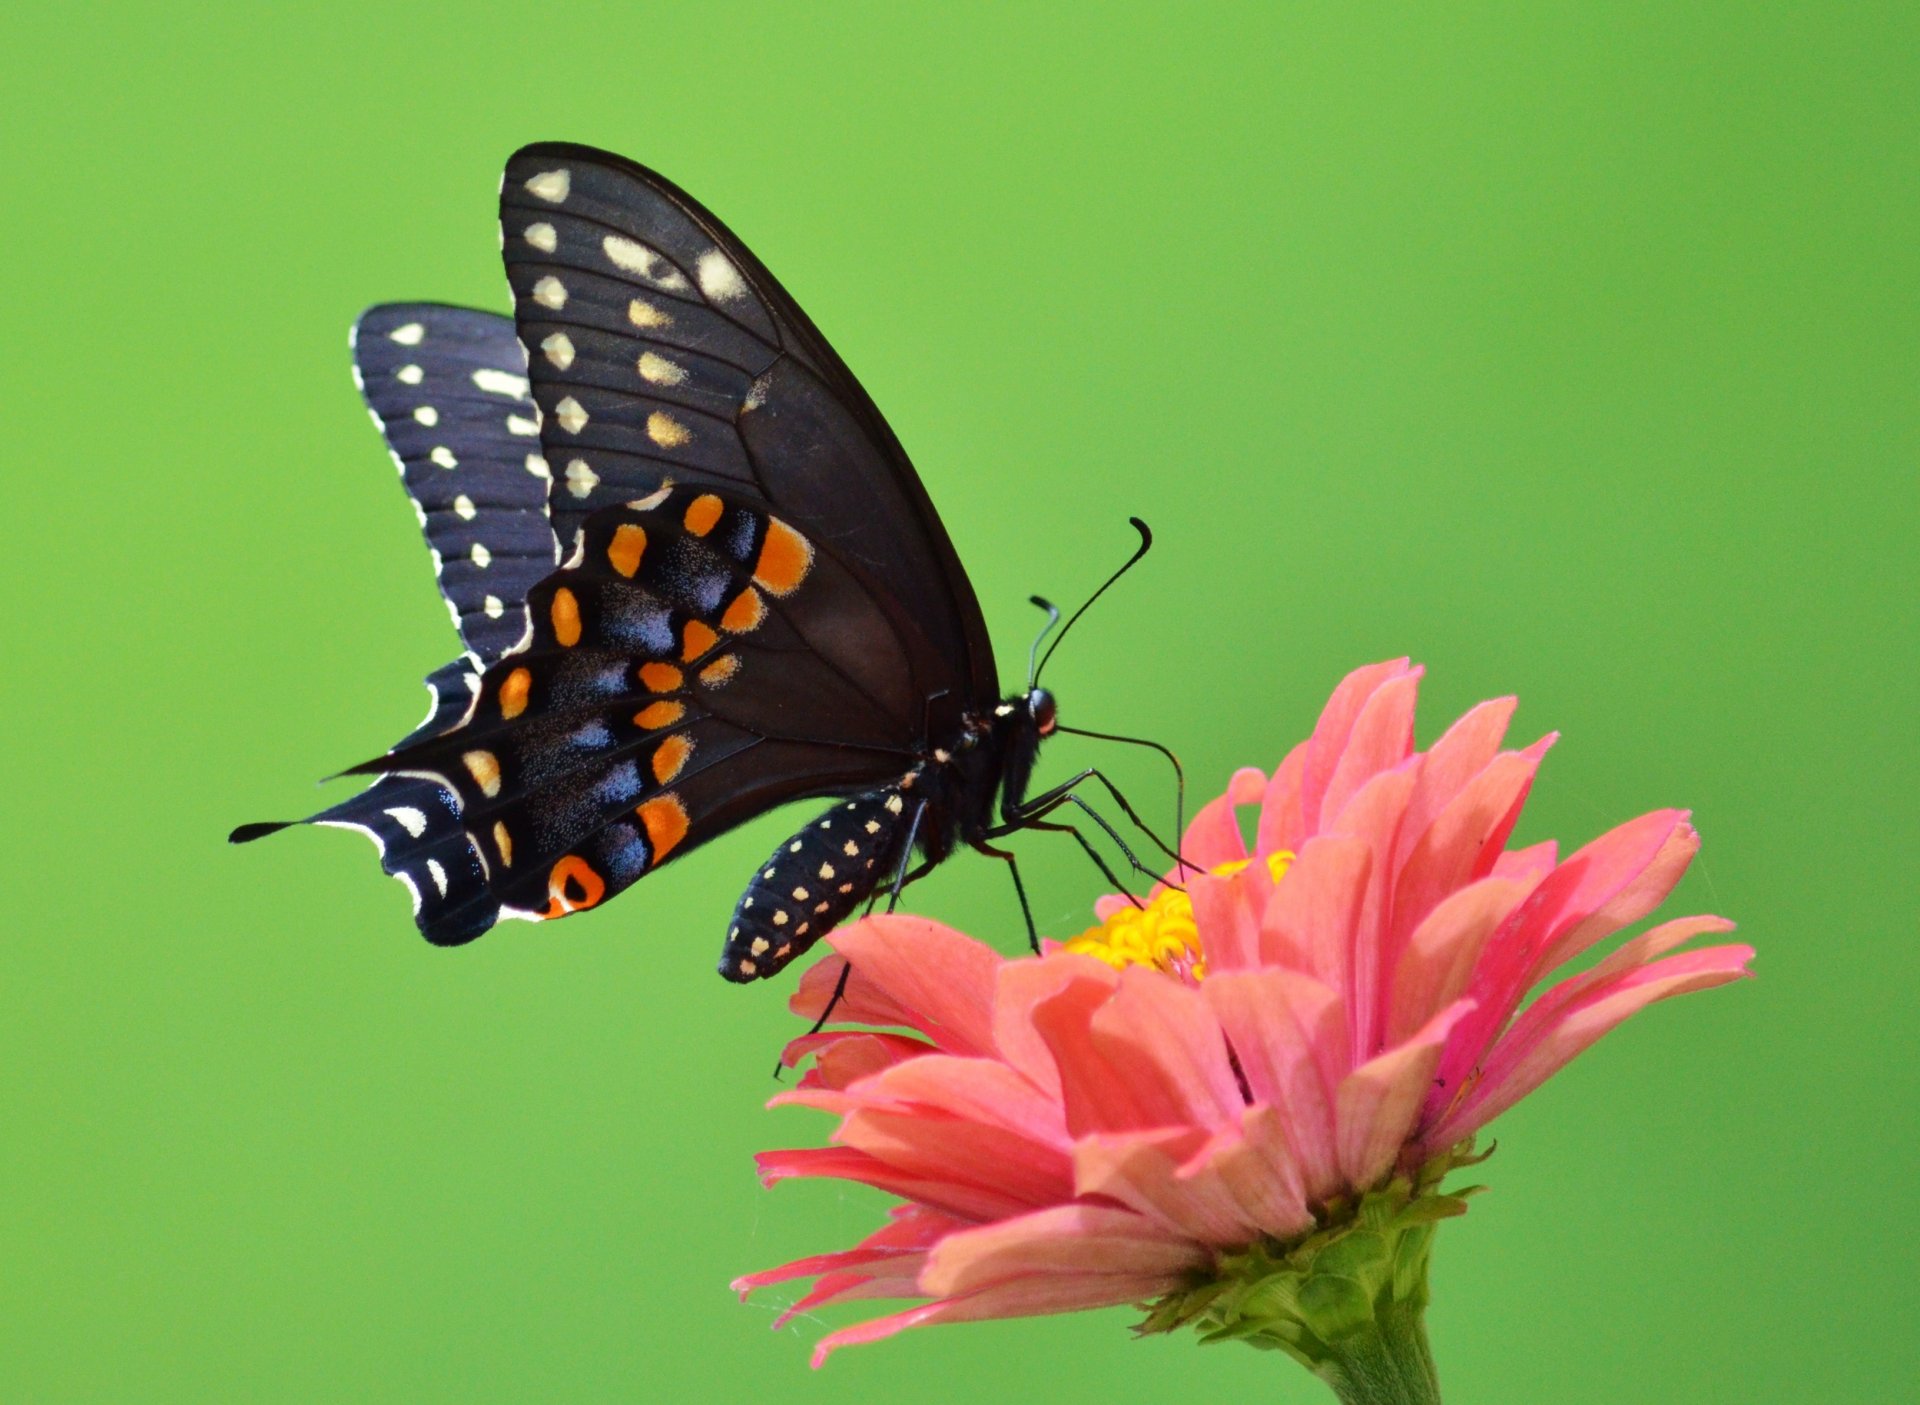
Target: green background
[(1570, 349)]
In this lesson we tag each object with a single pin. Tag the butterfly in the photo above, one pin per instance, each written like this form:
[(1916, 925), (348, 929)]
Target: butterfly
[(697, 577)]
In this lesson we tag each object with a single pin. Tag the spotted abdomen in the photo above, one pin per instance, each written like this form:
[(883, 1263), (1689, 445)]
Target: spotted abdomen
[(811, 883)]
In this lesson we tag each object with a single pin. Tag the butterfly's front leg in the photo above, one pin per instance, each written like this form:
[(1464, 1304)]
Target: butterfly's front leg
[(813, 882)]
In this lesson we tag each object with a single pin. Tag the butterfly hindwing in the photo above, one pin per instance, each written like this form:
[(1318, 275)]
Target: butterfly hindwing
[(448, 388), (696, 661)]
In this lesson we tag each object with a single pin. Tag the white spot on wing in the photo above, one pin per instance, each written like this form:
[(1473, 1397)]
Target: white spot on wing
[(520, 424), (645, 314), (538, 467), (443, 456), (427, 415), (552, 186), (631, 256), (463, 505), (571, 414), (581, 479), (439, 875), (407, 375), (501, 383), (494, 606), (550, 292), (412, 334), (543, 237), (413, 821), (481, 556), (558, 348), (719, 279)]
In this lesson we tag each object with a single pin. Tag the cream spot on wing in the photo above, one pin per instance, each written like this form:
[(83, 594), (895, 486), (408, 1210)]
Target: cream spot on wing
[(666, 431), (481, 556), (543, 237), (409, 375), (552, 186), (826, 871), (413, 821), (760, 945), (850, 849), (779, 919), (653, 499), (895, 804), (581, 479), (443, 456), (718, 277), (557, 347), (538, 466), (484, 767), (463, 505), (500, 383), (494, 606), (550, 292), (439, 875), (660, 371), (631, 256), (873, 826), (644, 314), (412, 334), (427, 415), (520, 424), (571, 414)]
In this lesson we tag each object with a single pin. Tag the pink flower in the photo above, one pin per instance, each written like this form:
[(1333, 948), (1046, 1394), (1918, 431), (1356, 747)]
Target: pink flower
[(1221, 1079)]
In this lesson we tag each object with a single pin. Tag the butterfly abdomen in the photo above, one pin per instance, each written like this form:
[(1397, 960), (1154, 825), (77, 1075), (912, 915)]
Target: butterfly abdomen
[(813, 882)]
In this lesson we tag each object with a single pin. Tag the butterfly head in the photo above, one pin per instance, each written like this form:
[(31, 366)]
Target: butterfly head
[(1042, 712)]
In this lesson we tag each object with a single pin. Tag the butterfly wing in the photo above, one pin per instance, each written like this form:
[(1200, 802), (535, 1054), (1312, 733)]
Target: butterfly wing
[(696, 662), (448, 388), (659, 347)]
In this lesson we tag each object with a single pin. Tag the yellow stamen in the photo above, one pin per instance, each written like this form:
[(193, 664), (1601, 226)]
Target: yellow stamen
[(1162, 934)]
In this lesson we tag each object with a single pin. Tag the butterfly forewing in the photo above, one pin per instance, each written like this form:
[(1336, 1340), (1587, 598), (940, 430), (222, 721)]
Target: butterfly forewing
[(661, 348)]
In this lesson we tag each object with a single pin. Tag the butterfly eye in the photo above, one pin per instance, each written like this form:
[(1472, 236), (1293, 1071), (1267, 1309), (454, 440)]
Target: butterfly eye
[(1041, 708)]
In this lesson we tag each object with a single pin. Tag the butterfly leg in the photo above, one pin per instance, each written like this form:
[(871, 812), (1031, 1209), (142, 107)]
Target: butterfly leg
[(1029, 815), (1048, 799), (1086, 845), (1019, 888)]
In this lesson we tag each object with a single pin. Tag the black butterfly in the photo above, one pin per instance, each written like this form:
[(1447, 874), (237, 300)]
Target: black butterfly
[(757, 602)]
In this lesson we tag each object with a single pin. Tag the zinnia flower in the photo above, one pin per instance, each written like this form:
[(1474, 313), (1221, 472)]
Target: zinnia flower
[(1237, 1104)]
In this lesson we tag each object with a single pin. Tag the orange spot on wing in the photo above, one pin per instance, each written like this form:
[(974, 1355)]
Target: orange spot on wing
[(573, 885), (785, 558), (745, 613), (670, 757), (702, 513), (661, 677), (720, 670), (513, 693), (565, 613), (696, 639), (628, 544), (657, 715), (484, 767), (503, 842), (665, 819)]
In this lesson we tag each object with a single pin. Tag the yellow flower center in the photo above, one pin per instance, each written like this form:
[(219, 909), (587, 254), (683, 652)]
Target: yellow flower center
[(1162, 934)]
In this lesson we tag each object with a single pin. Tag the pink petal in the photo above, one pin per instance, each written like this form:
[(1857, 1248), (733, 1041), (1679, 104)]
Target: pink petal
[(1373, 815), (1214, 838), (1022, 987), (1566, 898), (1227, 913), (901, 1280), (1521, 1066), (1437, 965), (842, 1056), (912, 972), (1252, 1166), (1329, 741), (912, 1230), (934, 1146), (1377, 1104), (1633, 902), (1141, 1171), (972, 1201), (1289, 1035), (1381, 739), (985, 1091), (1020, 1297), (1460, 755), (1282, 825), (1134, 1049), (1308, 924), (1066, 1240), (1528, 865)]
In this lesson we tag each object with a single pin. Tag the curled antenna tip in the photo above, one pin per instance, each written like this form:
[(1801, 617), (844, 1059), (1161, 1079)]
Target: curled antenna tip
[(1146, 532), (1041, 601)]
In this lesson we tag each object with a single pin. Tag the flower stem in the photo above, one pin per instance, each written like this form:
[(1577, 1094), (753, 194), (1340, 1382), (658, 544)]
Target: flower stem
[(1387, 1366)]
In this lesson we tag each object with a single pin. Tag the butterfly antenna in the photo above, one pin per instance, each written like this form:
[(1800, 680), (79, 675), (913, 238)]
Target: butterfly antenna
[(1053, 618), (1146, 545)]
